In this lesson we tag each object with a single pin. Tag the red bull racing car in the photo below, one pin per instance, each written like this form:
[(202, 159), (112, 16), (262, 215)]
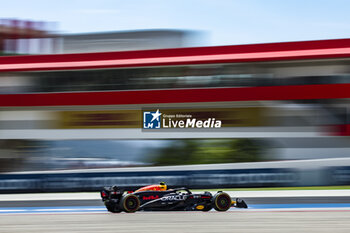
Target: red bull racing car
[(158, 198)]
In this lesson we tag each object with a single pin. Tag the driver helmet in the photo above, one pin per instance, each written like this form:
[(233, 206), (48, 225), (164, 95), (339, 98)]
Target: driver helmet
[(162, 186)]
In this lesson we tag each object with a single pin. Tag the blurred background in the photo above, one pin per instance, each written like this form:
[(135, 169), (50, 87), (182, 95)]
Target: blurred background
[(75, 77)]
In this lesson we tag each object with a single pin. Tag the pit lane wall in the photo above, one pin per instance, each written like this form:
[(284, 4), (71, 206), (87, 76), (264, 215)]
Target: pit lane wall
[(263, 174)]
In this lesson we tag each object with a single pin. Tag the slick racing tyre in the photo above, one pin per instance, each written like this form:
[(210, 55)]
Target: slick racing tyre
[(221, 201), (130, 203)]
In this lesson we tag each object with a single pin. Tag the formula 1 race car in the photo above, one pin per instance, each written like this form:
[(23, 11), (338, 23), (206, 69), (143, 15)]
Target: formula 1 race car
[(117, 200)]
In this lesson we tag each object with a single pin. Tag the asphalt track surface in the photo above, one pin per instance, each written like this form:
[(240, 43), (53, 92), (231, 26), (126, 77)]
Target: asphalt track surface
[(256, 219), (171, 222)]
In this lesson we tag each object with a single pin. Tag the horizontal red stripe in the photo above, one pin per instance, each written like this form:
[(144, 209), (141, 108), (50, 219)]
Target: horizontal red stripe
[(339, 130), (216, 58), (297, 50), (330, 91)]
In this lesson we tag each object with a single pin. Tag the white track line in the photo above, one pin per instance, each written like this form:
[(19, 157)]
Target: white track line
[(96, 195)]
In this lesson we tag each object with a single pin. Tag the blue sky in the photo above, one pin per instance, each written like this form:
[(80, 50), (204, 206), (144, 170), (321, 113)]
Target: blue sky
[(224, 21)]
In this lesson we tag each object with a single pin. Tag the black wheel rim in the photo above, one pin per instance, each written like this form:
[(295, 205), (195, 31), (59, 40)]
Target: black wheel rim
[(223, 202), (131, 203)]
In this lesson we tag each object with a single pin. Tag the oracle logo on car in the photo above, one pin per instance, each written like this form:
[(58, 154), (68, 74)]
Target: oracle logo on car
[(150, 197), (174, 198)]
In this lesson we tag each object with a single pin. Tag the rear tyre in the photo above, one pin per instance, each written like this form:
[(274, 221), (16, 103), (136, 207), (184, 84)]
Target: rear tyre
[(221, 201), (130, 203)]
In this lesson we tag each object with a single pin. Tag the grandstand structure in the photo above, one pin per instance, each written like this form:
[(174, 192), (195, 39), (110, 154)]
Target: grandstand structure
[(299, 92)]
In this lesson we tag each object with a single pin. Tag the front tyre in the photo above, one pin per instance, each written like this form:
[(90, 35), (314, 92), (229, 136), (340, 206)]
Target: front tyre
[(221, 201), (130, 203)]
